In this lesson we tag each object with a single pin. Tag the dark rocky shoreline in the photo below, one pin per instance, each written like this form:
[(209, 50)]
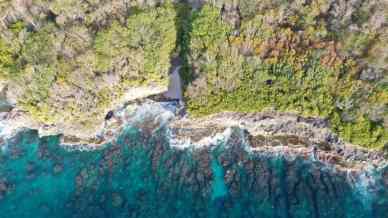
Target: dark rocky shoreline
[(265, 131), (282, 132)]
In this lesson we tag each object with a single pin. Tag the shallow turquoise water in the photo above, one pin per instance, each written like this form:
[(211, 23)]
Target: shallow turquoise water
[(142, 176), (219, 188)]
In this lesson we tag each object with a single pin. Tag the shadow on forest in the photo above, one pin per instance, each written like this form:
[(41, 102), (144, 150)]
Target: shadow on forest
[(183, 22)]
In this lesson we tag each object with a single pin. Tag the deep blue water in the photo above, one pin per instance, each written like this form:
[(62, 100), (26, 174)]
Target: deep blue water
[(142, 176)]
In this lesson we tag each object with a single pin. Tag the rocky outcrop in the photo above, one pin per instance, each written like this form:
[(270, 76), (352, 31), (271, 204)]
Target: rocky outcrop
[(16, 120), (268, 132), (283, 132)]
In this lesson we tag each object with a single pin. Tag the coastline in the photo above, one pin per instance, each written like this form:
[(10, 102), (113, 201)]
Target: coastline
[(273, 132), (270, 132), (194, 109)]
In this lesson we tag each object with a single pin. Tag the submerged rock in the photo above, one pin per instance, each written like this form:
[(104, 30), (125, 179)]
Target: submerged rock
[(140, 174), (148, 161)]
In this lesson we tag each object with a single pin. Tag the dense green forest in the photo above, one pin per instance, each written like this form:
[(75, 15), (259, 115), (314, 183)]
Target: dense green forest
[(71, 59), (61, 68), (268, 60)]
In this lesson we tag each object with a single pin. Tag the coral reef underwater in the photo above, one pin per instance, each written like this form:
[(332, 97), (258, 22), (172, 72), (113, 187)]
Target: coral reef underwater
[(142, 174)]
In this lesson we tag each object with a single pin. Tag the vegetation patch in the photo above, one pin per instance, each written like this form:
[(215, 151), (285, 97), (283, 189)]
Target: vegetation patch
[(71, 74), (295, 67), (68, 62)]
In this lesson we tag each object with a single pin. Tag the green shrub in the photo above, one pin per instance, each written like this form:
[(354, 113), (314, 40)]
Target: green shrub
[(7, 60), (357, 43), (286, 78), (147, 42), (17, 27), (110, 43), (73, 74), (39, 47)]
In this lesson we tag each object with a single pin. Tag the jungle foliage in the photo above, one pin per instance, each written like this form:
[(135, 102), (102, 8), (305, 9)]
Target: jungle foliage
[(74, 73), (68, 62), (295, 66)]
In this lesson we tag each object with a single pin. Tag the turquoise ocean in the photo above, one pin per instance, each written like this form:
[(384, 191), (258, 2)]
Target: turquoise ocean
[(142, 175)]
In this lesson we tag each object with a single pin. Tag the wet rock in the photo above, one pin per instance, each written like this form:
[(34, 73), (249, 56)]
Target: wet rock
[(58, 168), (4, 188), (30, 168), (117, 200), (385, 177)]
